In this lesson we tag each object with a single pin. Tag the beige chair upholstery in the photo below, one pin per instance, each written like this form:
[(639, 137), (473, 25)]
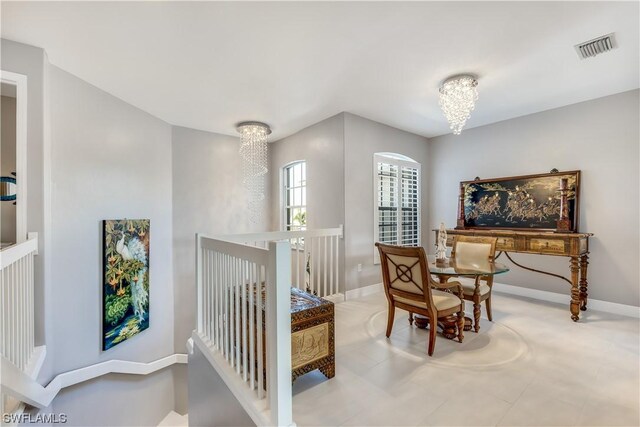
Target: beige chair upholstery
[(476, 250), (441, 300), (408, 285), (470, 288), (470, 252)]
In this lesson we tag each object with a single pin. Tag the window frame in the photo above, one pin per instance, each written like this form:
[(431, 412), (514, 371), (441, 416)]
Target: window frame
[(400, 161), (283, 195)]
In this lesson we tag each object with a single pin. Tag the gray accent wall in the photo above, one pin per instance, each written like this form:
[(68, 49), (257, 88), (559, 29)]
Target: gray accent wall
[(117, 400), (598, 137), (211, 403), (110, 160), (208, 198), (339, 154), (322, 147), (362, 139)]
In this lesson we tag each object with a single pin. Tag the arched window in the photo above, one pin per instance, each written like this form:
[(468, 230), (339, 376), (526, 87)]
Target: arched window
[(397, 197), (294, 196)]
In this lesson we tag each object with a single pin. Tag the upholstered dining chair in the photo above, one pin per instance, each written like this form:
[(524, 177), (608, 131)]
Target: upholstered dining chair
[(409, 286), (476, 250)]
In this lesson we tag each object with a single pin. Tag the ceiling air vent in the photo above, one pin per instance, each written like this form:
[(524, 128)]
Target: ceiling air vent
[(596, 46)]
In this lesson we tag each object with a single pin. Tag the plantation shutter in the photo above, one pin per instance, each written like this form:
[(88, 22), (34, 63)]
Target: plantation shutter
[(388, 199), (410, 227), (397, 216)]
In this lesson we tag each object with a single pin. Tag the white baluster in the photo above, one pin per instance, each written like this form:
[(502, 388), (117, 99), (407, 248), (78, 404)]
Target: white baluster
[(238, 284), (324, 263), (337, 268), (260, 332), (245, 271), (252, 326)]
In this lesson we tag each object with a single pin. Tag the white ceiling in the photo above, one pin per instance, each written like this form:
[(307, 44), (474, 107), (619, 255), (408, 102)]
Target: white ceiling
[(291, 64)]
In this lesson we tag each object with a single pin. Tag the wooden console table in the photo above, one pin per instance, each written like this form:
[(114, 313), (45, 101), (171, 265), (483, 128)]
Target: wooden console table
[(572, 245)]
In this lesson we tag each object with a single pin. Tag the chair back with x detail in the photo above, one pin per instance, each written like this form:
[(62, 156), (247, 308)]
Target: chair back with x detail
[(408, 285)]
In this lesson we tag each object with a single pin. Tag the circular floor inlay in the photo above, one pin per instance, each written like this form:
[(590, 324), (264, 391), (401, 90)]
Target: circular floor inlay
[(494, 345)]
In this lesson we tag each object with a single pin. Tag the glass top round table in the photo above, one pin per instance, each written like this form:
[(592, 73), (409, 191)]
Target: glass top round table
[(453, 267)]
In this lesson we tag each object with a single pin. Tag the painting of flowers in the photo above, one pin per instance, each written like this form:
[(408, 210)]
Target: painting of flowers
[(126, 280)]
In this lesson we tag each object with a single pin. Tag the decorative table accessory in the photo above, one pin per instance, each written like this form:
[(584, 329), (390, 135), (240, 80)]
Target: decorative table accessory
[(441, 245)]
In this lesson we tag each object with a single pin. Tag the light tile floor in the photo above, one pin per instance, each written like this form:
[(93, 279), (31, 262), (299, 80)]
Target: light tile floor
[(531, 366)]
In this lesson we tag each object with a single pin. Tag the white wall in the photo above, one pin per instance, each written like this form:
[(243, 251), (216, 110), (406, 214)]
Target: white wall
[(7, 165), (599, 137), (363, 138), (109, 161), (208, 198)]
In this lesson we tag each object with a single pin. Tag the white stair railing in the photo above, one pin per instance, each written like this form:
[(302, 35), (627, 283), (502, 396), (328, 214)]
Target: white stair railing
[(315, 257), (17, 342), (244, 323), (243, 304)]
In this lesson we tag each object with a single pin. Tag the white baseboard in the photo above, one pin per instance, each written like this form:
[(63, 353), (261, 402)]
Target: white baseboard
[(592, 304), (364, 291)]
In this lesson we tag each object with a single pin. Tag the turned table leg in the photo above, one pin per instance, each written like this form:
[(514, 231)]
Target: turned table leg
[(575, 289), (476, 305), (584, 262)]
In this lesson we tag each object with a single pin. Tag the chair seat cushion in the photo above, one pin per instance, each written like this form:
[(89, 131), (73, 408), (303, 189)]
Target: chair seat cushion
[(468, 288), (442, 301)]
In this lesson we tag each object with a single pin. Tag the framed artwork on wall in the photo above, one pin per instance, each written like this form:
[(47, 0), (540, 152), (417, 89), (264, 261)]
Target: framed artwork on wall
[(126, 280), (547, 201)]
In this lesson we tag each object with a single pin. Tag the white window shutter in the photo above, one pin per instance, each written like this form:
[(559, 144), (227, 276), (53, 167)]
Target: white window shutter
[(397, 196)]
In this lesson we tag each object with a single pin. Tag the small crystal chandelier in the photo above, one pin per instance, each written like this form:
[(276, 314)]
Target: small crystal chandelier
[(458, 96), (253, 150)]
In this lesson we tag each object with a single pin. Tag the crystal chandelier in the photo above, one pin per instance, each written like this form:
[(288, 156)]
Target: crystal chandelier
[(458, 96), (253, 150)]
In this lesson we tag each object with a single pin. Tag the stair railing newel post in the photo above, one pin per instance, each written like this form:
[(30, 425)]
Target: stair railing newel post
[(278, 305)]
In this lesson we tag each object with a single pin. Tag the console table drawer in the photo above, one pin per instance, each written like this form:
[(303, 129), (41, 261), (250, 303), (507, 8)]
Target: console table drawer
[(505, 244), (555, 246)]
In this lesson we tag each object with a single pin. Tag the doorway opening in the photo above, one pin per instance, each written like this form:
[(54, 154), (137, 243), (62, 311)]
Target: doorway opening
[(13, 158)]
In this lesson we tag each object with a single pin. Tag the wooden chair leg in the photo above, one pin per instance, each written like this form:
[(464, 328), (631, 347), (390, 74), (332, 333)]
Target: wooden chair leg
[(391, 315), (461, 324), (433, 327), (487, 306), (410, 318)]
